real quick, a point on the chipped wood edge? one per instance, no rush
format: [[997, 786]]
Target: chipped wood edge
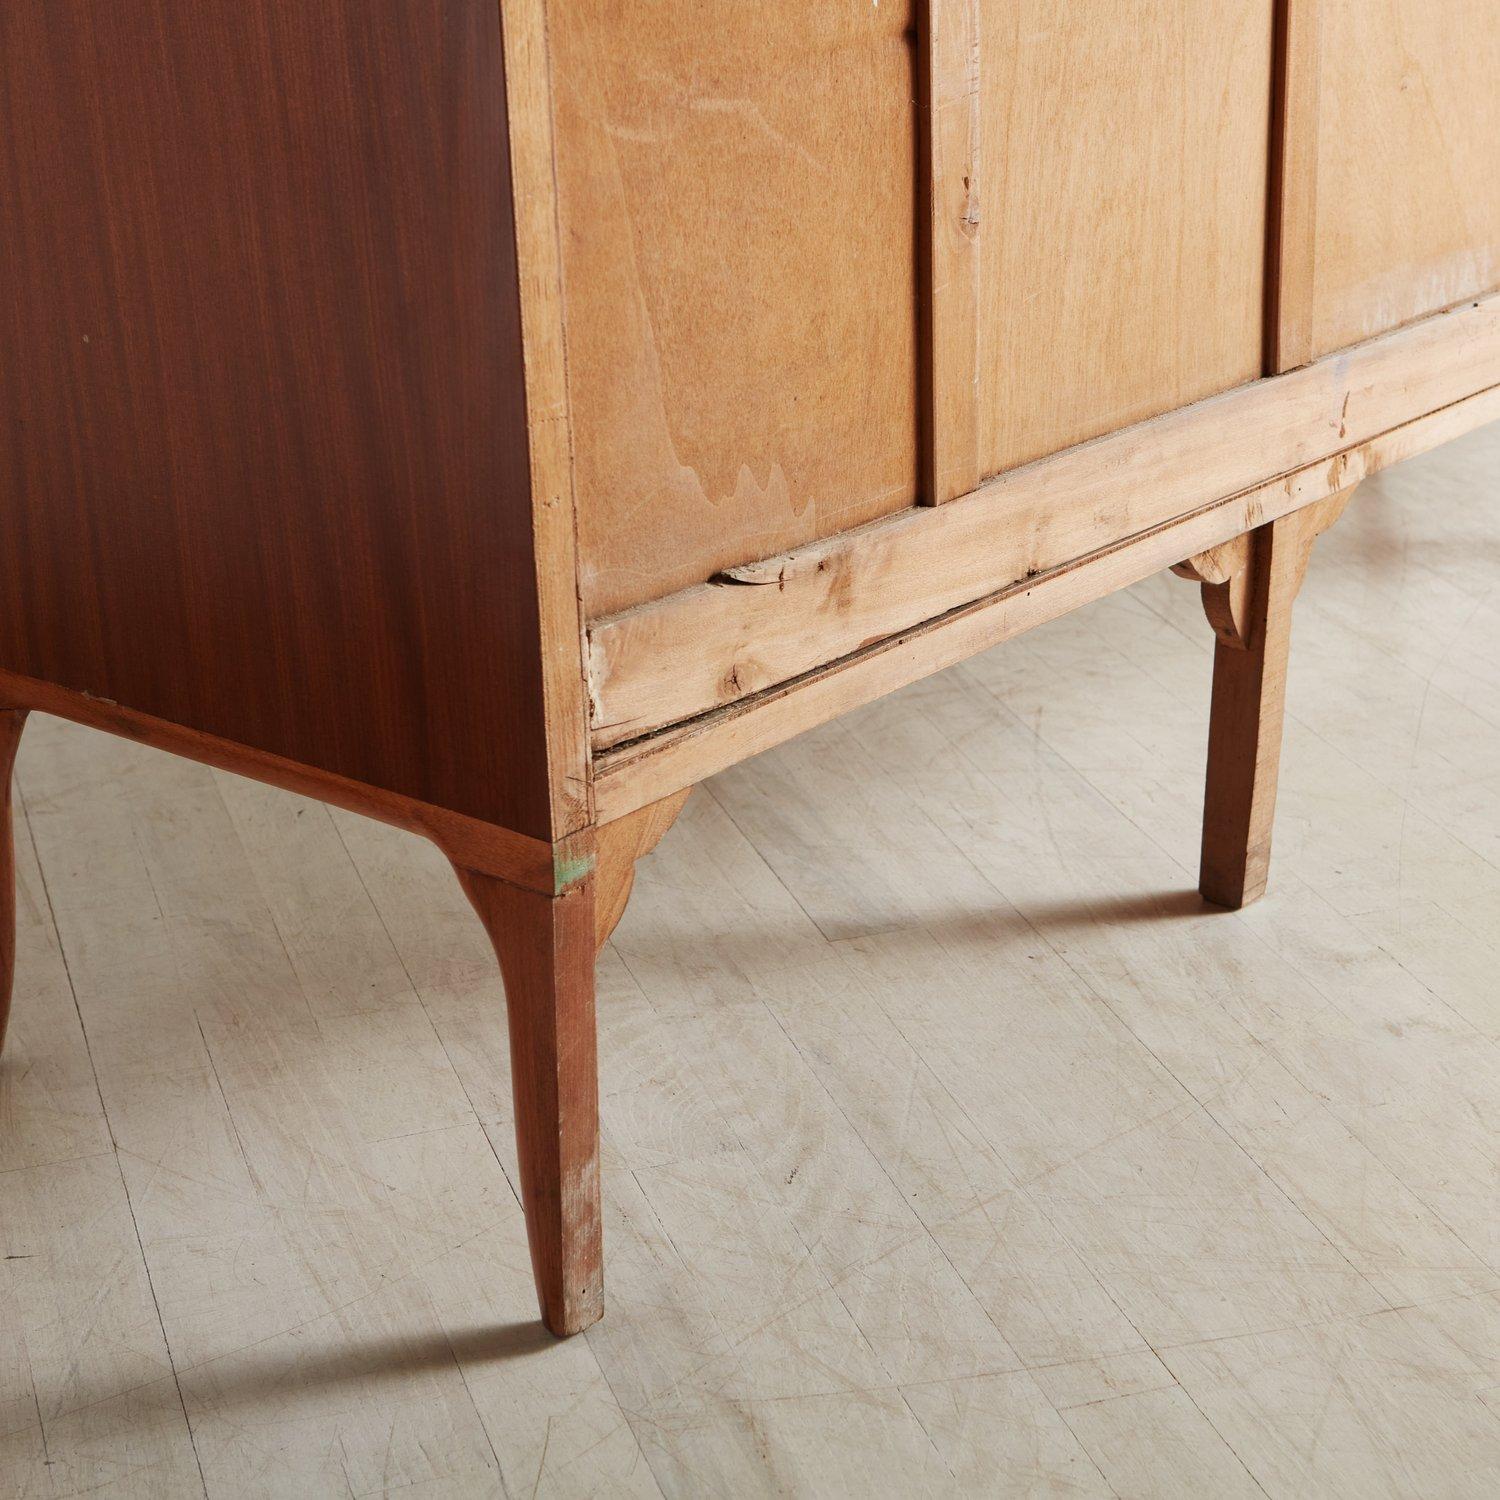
[[638, 774], [765, 623]]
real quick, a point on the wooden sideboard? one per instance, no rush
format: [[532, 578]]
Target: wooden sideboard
[[496, 416]]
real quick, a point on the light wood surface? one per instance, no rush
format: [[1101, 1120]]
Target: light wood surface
[[1123, 220], [1226, 575], [1292, 239], [620, 845], [637, 774], [549, 436], [765, 624], [951, 1146], [950, 105], [1408, 154], [738, 201]]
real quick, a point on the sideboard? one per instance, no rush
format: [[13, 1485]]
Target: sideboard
[[497, 416]]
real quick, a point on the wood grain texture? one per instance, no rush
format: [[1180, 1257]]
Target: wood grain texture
[[1123, 240], [1000, 1125], [620, 845], [928, 1167], [768, 622], [635, 774], [545, 945], [264, 467], [1227, 578], [496, 850], [1292, 224], [12, 722], [738, 190], [1249, 703], [1408, 219], [528, 94], [951, 103]]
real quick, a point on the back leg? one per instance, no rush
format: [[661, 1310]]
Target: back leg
[[12, 722]]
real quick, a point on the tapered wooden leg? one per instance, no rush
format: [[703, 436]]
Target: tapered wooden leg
[[12, 722], [1249, 587], [545, 945]]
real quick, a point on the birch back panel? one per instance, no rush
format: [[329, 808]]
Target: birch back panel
[[1408, 215], [1123, 213], [738, 198]]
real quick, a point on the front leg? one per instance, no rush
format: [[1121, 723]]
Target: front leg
[[1249, 587], [546, 946]]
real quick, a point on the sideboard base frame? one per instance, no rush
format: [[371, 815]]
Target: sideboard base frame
[[548, 909], [641, 771]]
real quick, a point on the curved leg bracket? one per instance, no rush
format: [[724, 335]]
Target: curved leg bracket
[[620, 845], [1249, 586]]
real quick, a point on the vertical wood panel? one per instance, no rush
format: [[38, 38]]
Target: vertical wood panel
[[950, 103], [1124, 214], [263, 449], [738, 191], [548, 428], [1291, 253], [1408, 209]]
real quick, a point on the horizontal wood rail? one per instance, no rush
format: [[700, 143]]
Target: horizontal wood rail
[[484, 848], [644, 771], [768, 623]]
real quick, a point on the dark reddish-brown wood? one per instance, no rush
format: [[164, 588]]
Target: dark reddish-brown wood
[[545, 945], [263, 451], [524, 861], [12, 722]]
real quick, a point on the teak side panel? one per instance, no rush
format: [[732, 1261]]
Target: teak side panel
[[264, 466], [737, 188], [1408, 199], [1122, 220]]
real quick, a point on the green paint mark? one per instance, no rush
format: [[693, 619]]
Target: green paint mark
[[569, 869]]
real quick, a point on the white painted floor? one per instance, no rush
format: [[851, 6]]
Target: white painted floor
[[953, 1147]]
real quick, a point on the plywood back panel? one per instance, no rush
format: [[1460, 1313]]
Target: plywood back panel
[[1122, 213], [1408, 199], [737, 186]]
